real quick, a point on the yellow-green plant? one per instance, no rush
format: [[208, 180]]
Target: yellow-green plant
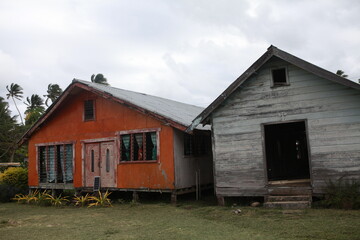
[[102, 200], [57, 201], [15, 176], [20, 198], [81, 201], [42, 198], [1, 177], [32, 197]]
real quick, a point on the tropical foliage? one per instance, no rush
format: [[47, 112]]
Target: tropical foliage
[[35, 108], [341, 73], [10, 131], [15, 176], [99, 78], [15, 91], [44, 198], [81, 201], [101, 200], [53, 92]]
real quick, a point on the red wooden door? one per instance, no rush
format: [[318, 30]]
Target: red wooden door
[[108, 166], [92, 163]]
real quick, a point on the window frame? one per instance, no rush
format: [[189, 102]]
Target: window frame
[[279, 84], [54, 144], [197, 145], [132, 136], [94, 110]]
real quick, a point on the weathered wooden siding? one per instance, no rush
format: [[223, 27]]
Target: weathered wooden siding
[[332, 112], [187, 166]]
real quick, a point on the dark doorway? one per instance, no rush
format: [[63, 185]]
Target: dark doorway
[[286, 151]]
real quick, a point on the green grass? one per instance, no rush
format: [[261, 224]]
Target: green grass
[[190, 220]]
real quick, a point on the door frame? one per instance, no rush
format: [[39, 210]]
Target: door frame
[[83, 155], [262, 125]]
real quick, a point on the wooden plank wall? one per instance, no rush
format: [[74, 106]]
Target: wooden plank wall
[[332, 112], [187, 166]]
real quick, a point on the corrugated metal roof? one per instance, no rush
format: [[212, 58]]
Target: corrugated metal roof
[[181, 113]]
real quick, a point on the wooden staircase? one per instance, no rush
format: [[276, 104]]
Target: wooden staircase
[[289, 195]]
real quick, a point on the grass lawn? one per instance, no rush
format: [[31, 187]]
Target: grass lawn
[[188, 220]]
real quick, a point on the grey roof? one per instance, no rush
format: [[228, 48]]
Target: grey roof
[[181, 113], [272, 51], [173, 113]]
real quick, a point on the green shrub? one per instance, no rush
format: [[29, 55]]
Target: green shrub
[[343, 193], [15, 176], [7, 192]]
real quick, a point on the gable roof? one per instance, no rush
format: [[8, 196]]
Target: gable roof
[[271, 52], [176, 114]]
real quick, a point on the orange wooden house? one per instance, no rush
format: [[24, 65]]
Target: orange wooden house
[[129, 141]]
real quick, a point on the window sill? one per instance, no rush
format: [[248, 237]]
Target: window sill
[[134, 162], [280, 85]]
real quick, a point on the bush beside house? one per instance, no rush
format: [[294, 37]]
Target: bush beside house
[[13, 181]]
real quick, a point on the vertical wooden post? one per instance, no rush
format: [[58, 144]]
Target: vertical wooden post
[[221, 200], [173, 198], [135, 196]]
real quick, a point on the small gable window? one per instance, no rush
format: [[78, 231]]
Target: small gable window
[[89, 113], [279, 77]]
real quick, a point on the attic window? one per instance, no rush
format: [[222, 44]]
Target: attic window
[[89, 113], [279, 77]]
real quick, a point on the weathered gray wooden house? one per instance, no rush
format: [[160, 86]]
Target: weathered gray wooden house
[[285, 126]]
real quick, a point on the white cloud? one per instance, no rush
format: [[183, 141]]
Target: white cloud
[[187, 50]]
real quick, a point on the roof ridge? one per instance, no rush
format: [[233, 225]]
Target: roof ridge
[[135, 92]]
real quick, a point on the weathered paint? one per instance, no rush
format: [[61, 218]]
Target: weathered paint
[[332, 114], [66, 124]]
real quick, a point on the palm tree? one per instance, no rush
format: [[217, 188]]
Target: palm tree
[[341, 73], [15, 91], [34, 109], [99, 78], [53, 92]]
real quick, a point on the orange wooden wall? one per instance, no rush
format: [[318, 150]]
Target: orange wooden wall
[[67, 124]]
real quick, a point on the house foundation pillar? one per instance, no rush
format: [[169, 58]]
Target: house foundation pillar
[[221, 200], [135, 196], [173, 198]]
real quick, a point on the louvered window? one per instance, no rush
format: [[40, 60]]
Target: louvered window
[[55, 163], [89, 113], [142, 146]]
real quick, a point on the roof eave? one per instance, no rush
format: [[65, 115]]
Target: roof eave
[[75, 83]]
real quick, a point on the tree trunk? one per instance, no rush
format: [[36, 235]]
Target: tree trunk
[[22, 121]]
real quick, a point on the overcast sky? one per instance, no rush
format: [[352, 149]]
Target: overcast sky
[[188, 51]]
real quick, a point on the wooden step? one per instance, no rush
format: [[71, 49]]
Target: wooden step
[[288, 204], [285, 198], [289, 191]]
